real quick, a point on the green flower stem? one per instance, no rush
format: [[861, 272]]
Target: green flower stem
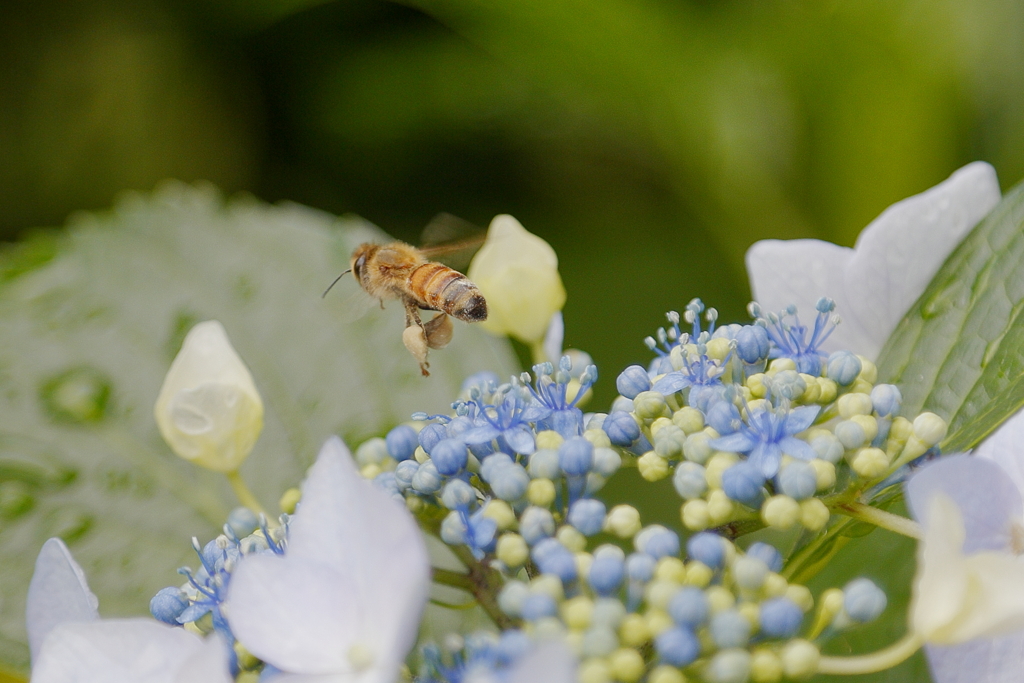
[[880, 518], [484, 583], [245, 496], [814, 556], [874, 662]]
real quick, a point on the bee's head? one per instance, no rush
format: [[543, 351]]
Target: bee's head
[[359, 258]]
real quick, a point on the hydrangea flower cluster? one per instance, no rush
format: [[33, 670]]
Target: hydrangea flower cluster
[[510, 481], [760, 427], [756, 422]]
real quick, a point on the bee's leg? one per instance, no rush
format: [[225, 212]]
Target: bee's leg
[[415, 337], [439, 331]]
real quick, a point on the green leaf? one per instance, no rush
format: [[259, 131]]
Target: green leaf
[[89, 322], [959, 351]]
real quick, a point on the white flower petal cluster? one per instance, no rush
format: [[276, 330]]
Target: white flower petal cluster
[[208, 410], [895, 257], [344, 602], [71, 644]]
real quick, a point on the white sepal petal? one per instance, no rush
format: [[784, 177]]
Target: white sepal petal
[[958, 598], [895, 257], [128, 651], [551, 662], [58, 593], [356, 571]]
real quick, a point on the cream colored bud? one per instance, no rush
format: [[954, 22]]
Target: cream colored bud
[[780, 512], [695, 514], [549, 438], [517, 273], [627, 665], [653, 467], [765, 666], [814, 514], [502, 513], [801, 595], [800, 659], [718, 348], [571, 538], [930, 428], [828, 388], [825, 474], [512, 550], [698, 574], [870, 462], [854, 404], [666, 674], [208, 410], [623, 521], [868, 370], [541, 492], [690, 420]]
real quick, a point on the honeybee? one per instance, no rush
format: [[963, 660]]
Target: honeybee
[[400, 271]]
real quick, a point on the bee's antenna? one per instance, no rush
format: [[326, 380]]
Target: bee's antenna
[[324, 295]]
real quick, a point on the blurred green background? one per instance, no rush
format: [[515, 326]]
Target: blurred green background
[[650, 141]]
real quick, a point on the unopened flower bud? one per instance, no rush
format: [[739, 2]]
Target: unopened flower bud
[[623, 521], [930, 428], [517, 272], [208, 410], [800, 659]]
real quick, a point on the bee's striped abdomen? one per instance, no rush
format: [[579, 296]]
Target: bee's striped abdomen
[[440, 288]]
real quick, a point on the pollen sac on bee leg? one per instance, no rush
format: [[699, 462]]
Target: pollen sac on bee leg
[[438, 331], [416, 341]]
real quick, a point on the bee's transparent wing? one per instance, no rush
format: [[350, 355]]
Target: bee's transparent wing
[[451, 240], [349, 300]]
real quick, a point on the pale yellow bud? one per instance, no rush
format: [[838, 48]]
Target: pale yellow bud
[[813, 514], [512, 550], [633, 630], [670, 569], [801, 595], [653, 467], [595, 671], [623, 521], [571, 538], [597, 437], [690, 420], [765, 666], [517, 273], [755, 383], [577, 612], [502, 513], [800, 659], [666, 674], [828, 389], [930, 428], [208, 410], [627, 665], [718, 348], [854, 404], [825, 474], [698, 574], [780, 512], [870, 462], [541, 492], [549, 439], [695, 514], [868, 370]]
